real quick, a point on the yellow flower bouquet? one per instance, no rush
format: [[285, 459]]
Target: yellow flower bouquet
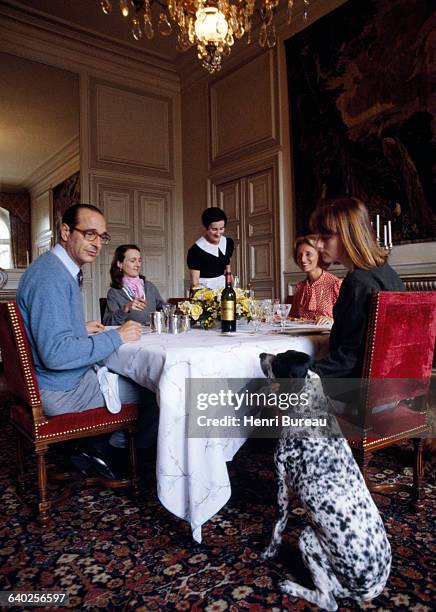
[[204, 306]]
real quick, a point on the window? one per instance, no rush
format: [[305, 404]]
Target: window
[[5, 240]]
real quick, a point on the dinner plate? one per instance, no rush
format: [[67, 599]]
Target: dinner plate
[[306, 324], [240, 332], [302, 330]]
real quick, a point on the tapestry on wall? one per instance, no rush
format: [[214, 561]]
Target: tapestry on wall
[[65, 195], [363, 112]]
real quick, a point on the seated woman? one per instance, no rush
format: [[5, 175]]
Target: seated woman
[[209, 257], [130, 297], [345, 235], [315, 296]]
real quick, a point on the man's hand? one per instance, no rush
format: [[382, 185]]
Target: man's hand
[[130, 331], [94, 327]]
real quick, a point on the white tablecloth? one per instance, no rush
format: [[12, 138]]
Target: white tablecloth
[[192, 478]]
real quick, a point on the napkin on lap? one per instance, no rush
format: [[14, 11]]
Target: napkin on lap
[[108, 382]]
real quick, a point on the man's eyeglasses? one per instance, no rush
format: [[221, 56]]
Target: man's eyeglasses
[[92, 235]]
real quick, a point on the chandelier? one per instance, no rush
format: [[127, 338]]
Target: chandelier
[[211, 25]]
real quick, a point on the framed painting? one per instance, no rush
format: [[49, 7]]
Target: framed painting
[[64, 195], [363, 113]]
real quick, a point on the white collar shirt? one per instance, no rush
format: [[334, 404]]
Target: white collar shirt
[[212, 249], [70, 265]]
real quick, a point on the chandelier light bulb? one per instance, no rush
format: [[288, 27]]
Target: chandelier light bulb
[[210, 26], [124, 7]]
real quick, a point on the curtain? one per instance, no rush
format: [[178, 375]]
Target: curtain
[[18, 205]]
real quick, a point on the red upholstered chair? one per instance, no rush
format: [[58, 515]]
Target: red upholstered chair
[[40, 431], [397, 372]]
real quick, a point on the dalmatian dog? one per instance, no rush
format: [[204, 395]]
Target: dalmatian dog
[[345, 546]]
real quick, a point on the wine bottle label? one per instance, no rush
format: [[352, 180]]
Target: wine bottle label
[[228, 311]]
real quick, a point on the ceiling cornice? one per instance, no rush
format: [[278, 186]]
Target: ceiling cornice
[[77, 46]]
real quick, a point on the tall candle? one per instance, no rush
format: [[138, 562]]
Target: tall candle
[[378, 226], [385, 232], [390, 233], [27, 258]]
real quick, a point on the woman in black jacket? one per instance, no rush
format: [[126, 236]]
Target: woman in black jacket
[[345, 235], [210, 256]]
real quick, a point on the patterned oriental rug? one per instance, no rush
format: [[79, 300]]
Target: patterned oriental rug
[[110, 552]]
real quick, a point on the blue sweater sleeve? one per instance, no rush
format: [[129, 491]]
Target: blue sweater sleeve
[[53, 313]]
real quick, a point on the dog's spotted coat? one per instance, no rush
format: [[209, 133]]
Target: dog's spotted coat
[[345, 547]]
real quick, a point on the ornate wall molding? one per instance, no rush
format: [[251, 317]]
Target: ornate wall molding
[[44, 241], [251, 125], [143, 145]]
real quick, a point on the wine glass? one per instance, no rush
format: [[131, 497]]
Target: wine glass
[[276, 306], [268, 310], [282, 313], [255, 309]]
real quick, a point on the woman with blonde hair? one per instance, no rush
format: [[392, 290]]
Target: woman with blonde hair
[[315, 296], [345, 235]]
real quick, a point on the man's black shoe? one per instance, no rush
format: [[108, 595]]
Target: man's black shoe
[[90, 465], [83, 463], [102, 467]]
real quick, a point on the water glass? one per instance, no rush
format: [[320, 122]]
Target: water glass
[[157, 322], [186, 323], [175, 324]]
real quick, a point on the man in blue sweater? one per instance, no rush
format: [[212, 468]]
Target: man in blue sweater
[[50, 300]]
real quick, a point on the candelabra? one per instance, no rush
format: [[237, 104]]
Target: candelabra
[[387, 243]]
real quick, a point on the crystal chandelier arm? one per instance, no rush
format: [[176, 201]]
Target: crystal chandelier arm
[[212, 25]]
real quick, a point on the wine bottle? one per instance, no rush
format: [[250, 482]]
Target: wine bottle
[[228, 305]]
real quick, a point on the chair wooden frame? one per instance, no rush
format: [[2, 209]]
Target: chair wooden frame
[[102, 304], [30, 423], [175, 301], [410, 394]]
